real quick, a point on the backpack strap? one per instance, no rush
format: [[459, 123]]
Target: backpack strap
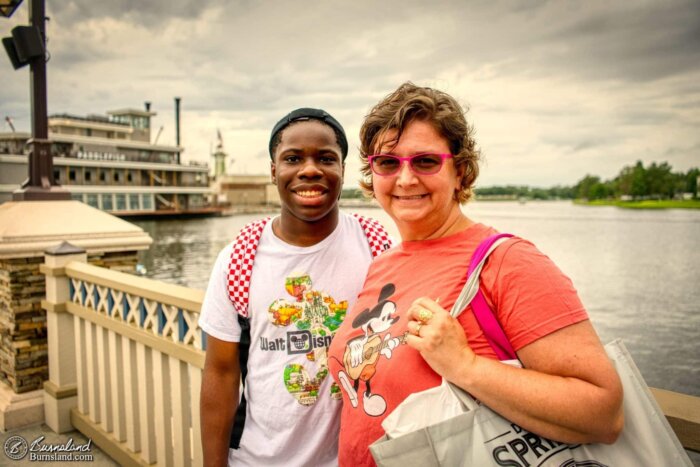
[[241, 264], [240, 271], [483, 313], [242, 410], [377, 237]]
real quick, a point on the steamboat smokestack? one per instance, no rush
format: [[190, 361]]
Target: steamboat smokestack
[[148, 106], [177, 126]]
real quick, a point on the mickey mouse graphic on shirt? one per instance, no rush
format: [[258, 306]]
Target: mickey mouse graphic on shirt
[[362, 353]]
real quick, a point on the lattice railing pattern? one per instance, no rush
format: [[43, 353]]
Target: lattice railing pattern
[[141, 393], [164, 320]]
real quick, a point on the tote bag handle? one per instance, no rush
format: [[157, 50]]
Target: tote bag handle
[[471, 294]]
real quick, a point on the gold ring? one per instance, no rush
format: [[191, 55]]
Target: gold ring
[[420, 325], [425, 315]]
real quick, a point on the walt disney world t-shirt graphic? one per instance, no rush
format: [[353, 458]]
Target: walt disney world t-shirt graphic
[[313, 317]]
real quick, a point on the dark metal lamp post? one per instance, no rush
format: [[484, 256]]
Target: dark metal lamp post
[[27, 47]]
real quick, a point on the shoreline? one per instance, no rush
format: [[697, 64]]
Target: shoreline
[[643, 204]]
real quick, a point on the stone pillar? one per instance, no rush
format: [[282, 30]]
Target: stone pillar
[[60, 391], [27, 230], [23, 347], [23, 356]]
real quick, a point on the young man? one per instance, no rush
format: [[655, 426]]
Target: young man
[[274, 301]]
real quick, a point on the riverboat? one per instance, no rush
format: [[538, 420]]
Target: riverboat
[[110, 163]]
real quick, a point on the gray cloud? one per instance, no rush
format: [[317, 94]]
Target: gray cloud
[[151, 13], [683, 150], [631, 41]]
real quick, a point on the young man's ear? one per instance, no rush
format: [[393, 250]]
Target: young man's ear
[[273, 174]]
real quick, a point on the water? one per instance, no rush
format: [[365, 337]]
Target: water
[[637, 271]]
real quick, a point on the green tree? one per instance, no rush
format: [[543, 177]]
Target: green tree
[[352, 193], [691, 182], [561, 191], [660, 182], [583, 189], [598, 191], [639, 188]]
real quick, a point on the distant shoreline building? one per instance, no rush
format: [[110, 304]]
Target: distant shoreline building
[[241, 191], [109, 162], [246, 190]]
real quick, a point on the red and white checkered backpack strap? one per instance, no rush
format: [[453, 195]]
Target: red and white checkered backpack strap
[[241, 264], [377, 237]]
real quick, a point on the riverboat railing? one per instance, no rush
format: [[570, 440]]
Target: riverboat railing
[[125, 364]]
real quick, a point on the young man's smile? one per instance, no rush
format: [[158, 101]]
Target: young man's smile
[[310, 192]]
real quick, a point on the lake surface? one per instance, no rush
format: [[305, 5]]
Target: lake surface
[[637, 271]]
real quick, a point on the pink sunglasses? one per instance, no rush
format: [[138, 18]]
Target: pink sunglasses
[[420, 164]]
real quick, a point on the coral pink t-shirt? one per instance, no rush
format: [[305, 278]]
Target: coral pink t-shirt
[[530, 297]]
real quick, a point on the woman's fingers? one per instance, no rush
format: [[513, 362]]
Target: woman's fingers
[[414, 328], [424, 309], [438, 337], [427, 319]]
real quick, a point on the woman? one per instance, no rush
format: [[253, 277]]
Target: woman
[[420, 163]]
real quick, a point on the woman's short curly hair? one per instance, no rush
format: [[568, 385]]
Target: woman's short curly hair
[[410, 103]]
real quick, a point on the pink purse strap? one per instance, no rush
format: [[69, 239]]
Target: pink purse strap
[[483, 313]]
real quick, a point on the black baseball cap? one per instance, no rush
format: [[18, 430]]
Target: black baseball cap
[[309, 114]]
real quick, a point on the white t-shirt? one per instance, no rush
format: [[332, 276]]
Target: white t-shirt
[[298, 298]]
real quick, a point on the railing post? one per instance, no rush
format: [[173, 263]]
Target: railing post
[[60, 391]]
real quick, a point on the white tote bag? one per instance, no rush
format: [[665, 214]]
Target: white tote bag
[[445, 426]]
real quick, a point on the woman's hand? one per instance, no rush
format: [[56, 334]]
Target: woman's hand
[[568, 392], [439, 338]]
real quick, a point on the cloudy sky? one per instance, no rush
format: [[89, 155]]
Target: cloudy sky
[[555, 90]]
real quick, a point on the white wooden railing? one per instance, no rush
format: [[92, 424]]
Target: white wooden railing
[[125, 361]]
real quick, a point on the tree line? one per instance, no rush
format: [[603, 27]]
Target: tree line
[[524, 191], [656, 181], [634, 182]]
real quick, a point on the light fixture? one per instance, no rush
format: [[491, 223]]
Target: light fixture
[[24, 45]]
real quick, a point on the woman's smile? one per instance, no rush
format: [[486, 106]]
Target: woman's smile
[[410, 197]]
